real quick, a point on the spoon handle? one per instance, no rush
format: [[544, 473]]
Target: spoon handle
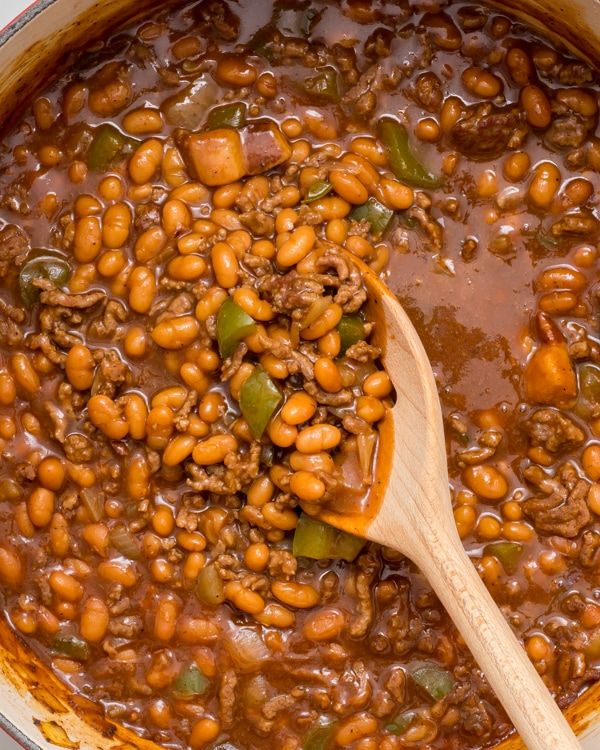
[[496, 649]]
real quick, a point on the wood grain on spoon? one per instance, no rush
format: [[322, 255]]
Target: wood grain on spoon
[[409, 509]]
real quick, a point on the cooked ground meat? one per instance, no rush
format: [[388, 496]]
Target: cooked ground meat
[[14, 246], [552, 429], [563, 512], [484, 131]]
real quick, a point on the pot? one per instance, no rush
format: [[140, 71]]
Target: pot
[[36, 709]]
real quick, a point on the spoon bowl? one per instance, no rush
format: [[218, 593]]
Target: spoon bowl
[[409, 509]]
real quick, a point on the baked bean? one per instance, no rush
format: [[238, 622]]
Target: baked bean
[[51, 473], [324, 625], [593, 498], [203, 732], [300, 243], [149, 244], [87, 240], [428, 130], [145, 161], [178, 449], [94, 620], [187, 268], [370, 409], [115, 225], [285, 519], [352, 729], [300, 407], [65, 586], [537, 106], [40, 506], [165, 618], [516, 166], [481, 82], [517, 531], [256, 557], [106, 416], [143, 121], [311, 462], [485, 481], [331, 208], [294, 594], [8, 389], [80, 367], [159, 426], [280, 433], [214, 449], [488, 528], [225, 265], [111, 263], [560, 277], [395, 195], [96, 535], [176, 217], [324, 323], [307, 486], [60, 538], [451, 113], [12, 570], [125, 574], [135, 411], [557, 303], [544, 185], [519, 65], [195, 630], [244, 599], [251, 303], [236, 71], [370, 149], [348, 187], [317, 438], [378, 384], [538, 648], [175, 333], [465, 517]]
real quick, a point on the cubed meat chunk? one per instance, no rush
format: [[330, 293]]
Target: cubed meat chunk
[[549, 376]]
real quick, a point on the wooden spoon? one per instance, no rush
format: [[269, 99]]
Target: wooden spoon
[[410, 511]]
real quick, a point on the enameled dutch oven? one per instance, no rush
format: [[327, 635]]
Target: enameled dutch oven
[[36, 709]]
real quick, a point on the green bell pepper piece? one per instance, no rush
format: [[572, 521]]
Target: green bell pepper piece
[[72, 647], [190, 683], [259, 400], [320, 541], [318, 189], [49, 267], [401, 722], [404, 163], [227, 116], [351, 329], [508, 553], [378, 216], [108, 146], [319, 737], [209, 587], [324, 85], [233, 324], [436, 682]]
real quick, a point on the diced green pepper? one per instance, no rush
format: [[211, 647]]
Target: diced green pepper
[[190, 683], [351, 329], [401, 722], [403, 162], [378, 216], [72, 647], [49, 267], [436, 682], [320, 541], [209, 588], [227, 116], [259, 399], [233, 324], [318, 189], [108, 146], [588, 397], [508, 553], [319, 737], [324, 85]]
